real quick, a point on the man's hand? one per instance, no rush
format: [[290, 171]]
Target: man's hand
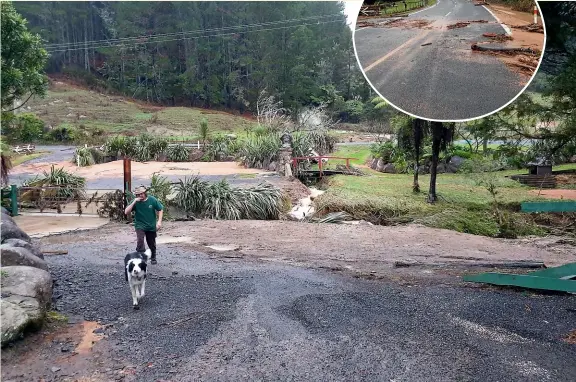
[[158, 226]]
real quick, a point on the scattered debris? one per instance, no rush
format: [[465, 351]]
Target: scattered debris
[[55, 252], [535, 28], [460, 24], [334, 217], [406, 24], [428, 43], [571, 337], [498, 37], [502, 49], [480, 2], [463, 24], [365, 24]]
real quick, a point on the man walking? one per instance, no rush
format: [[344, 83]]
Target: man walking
[[146, 222]]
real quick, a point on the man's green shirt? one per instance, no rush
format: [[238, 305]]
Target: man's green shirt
[[145, 213]]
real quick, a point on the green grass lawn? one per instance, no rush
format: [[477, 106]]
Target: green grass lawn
[[18, 159], [462, 206], [411, 5], [90, 111], [360, 154]]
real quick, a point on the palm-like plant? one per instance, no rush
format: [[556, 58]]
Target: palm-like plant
[[178, 153]]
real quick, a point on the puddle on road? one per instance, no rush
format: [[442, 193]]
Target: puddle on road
[[165, 239], [223, 247]]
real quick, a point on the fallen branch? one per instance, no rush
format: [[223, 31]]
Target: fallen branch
[[501, 49], [55, 252], [535, 28], [497, 37]]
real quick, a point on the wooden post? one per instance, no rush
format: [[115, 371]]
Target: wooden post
[[320, 166], [127, 182], [14, 199]]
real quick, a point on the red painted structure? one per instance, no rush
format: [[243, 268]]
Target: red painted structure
[[319, 158]]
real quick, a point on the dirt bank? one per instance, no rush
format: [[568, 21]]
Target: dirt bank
[[360, 249]]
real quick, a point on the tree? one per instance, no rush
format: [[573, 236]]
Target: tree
[[419, 132], [23, 60], [442, 135]]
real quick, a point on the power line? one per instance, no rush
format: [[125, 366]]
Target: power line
[[84, 44], [186, 38]]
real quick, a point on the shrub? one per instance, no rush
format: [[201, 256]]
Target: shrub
[[260, 150], [220, 201], [385, 151], [221, 148], [161, 188], [322, 141], [83, 157], [204, 131], [27, 128], [59, 187], [87, 156], [63, 134], [178, 153]]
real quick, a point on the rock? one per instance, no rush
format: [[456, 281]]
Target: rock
[[373, 163], [456, 161], [389, 168], [5, 212], [24, 244], [272, 166], [28, 293], [55, 369], [573, 159], [380, 165], [10, 256], [452, 169], [441, 169], [11, 231]]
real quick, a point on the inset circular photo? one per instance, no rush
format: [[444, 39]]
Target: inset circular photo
[[449, 60]]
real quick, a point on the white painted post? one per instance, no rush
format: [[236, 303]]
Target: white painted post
[[198, 145], [535, 14]]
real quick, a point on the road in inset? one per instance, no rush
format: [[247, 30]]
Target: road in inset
[[424, 65]]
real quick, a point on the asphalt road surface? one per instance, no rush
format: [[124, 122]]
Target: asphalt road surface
[[444, 80], [207, 318]]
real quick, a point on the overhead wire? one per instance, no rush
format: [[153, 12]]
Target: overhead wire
[[93, 44]]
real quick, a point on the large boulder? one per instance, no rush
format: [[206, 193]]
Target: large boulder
[[456, 161], [10, 256], [24, 244], [389, 168], [11, 231], [380, 165], [373, 163], [26, 296]]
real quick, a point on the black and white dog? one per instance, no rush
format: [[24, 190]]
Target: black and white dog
[[135, 265]]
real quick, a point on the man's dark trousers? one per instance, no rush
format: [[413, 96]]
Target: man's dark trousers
[[150, 237]]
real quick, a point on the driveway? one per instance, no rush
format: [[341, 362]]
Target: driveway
[[218, 317]]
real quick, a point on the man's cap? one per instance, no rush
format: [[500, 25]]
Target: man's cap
[[139, 190]]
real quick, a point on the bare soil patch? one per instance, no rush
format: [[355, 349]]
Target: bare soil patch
[[556, 194], [65, 352], [142, 169], [359, 250]]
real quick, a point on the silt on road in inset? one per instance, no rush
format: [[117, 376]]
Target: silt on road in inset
[[448, 60]]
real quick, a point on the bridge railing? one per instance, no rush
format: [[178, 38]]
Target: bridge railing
[[319, 158]]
